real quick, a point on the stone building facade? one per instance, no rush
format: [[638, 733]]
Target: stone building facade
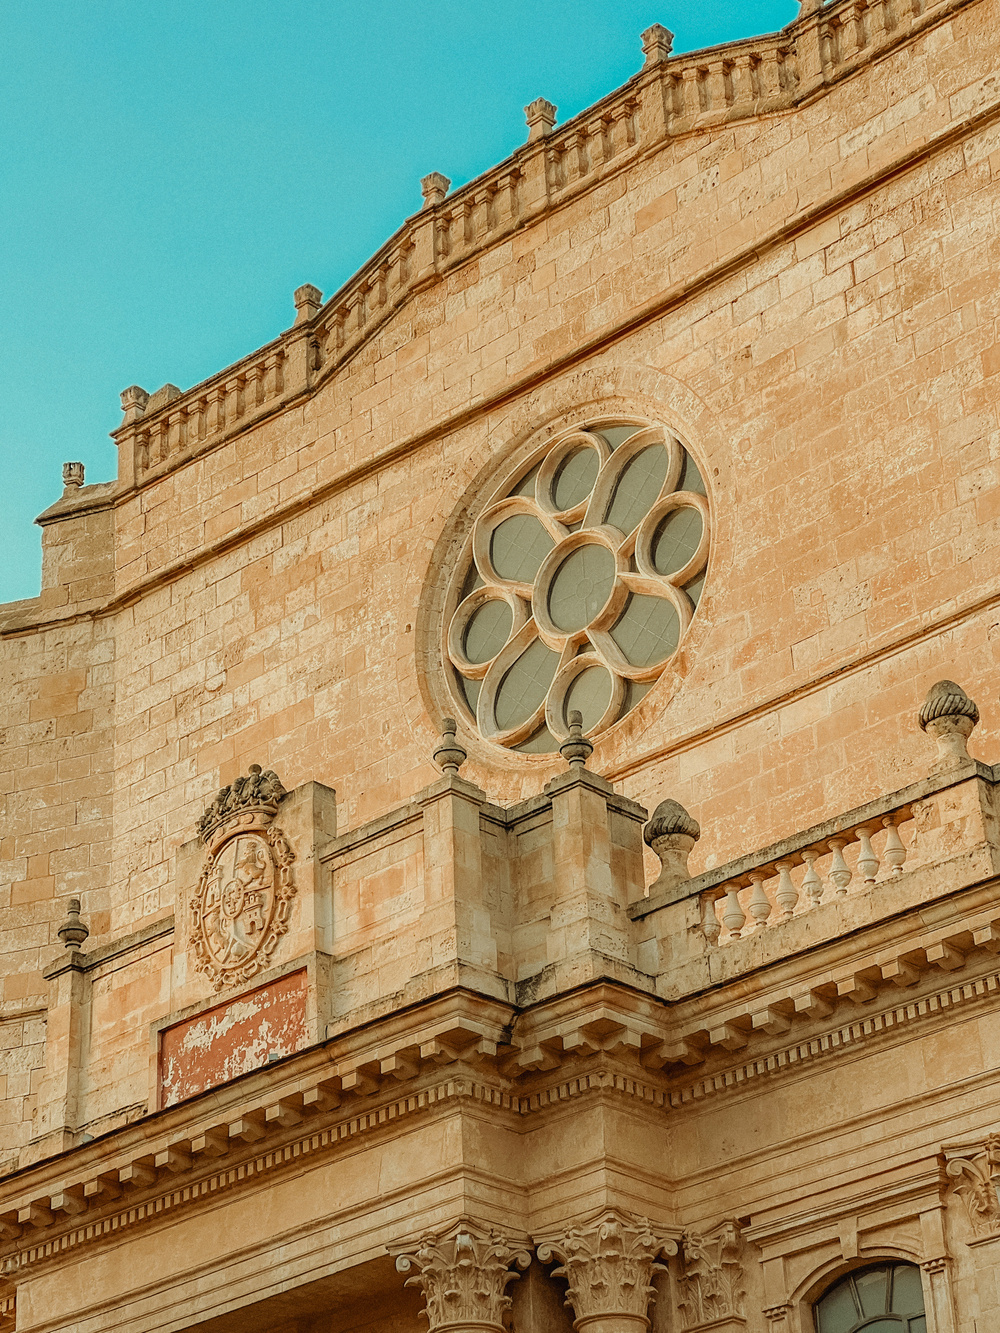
[[490, 832]]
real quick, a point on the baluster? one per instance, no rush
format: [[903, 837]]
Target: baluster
[[732, 916], [710, 924], [786, 895], [840, 873], [234, 398], [811, 882], [162, 450], [895, 852], [867, 860], [715, 86], [759, 904], [176, 423], [690, 98], [742, 82], [769, 73]]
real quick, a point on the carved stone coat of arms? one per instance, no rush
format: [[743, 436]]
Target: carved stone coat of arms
[[240, 908]]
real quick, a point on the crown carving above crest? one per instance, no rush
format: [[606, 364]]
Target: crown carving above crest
[[248, 802]]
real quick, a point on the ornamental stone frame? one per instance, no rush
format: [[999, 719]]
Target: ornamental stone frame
[[581, 575], [240, 908]]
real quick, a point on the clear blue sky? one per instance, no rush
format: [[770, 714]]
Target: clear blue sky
[[171, 171]]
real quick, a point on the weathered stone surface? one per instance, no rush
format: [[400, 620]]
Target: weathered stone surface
[[763, 1063]]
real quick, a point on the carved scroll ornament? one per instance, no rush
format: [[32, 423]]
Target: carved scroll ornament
[[241, 905]]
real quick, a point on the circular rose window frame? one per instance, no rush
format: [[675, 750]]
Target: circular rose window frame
[[581, 523]]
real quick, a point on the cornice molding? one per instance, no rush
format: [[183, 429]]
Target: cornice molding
[[311, 1121]]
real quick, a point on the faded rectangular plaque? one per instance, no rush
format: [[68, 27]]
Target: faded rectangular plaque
[[232, 1038]]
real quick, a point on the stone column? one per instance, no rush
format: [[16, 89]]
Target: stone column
[[464, 1279], [609, 1264]]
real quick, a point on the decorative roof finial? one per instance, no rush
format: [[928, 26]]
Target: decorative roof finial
[[308, 300], [657, 43], [134, 400], [949, 715], [671, 833], [73, 932], [576, 749], [541, 116], [434, 188], [72, 475], [450, 754]]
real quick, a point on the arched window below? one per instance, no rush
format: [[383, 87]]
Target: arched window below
[[885, 1298]]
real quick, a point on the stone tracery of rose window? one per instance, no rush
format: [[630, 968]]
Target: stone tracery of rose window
[[577, 584]]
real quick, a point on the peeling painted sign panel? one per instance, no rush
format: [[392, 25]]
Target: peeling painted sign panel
[[232, 1038]]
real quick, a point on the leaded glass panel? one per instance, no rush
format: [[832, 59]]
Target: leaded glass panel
[[546, 589]]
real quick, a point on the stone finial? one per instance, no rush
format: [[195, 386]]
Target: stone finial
[[450, 754], [73, 475], [541, 116], [576, 749], [949, 715], [657, 43], [134, 402], [464, 1278], [73, 932], [434, 188], [308, 300], [672, 834], [609, 1264]]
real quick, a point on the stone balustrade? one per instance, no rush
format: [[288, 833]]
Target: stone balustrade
[[670, 96], [771, 893]]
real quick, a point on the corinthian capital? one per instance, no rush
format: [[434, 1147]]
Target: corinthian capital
[[609, 1264], [464, 1279]]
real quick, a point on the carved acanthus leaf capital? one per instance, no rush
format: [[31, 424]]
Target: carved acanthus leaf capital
[[977, 1178], [710, 1281], [609, 1264], [463, 1277]]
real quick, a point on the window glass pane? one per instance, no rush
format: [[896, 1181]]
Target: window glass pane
[[616, 435], [524, 686], [472, 582], [837, 1312], [873, 1290], [590, 692], [518, 546], [918, 1325], [575, 477], [488, 630], [471, 688], [695, 588], [638, 488], [676, 540], [691, 479], [526, 486], [907, 1292], [634, 691], [647, 630], [543, 742], [883, 1325], [581, 586]]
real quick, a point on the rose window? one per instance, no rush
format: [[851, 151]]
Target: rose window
[[577, 584]]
